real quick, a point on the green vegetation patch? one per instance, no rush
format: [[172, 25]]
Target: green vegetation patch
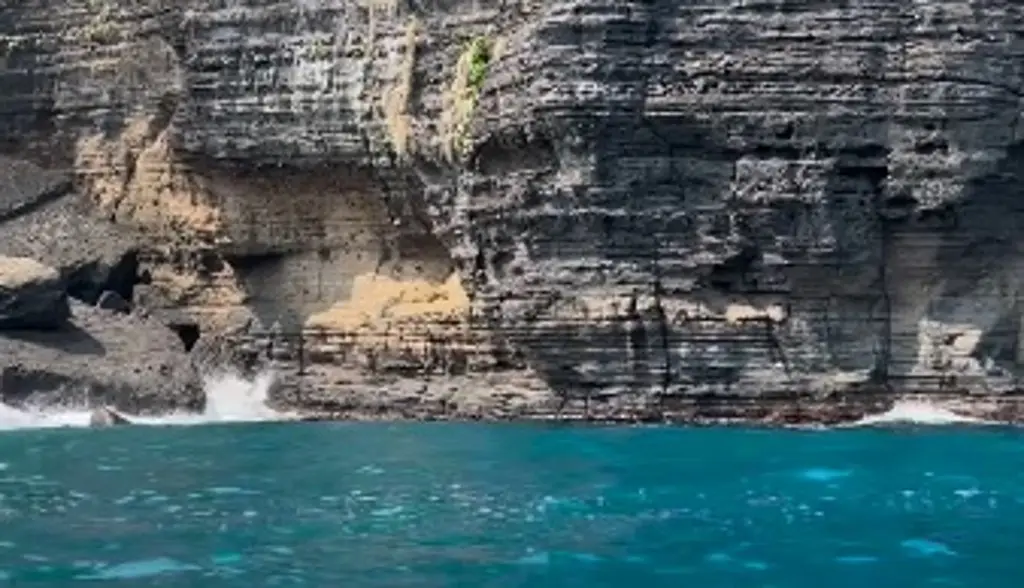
[[474, 64], [480, 52]]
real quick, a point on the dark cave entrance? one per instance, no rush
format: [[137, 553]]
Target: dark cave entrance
[[188, 333]]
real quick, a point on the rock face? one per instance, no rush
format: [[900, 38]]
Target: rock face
[[42, 219], [782, 210], [99, 358], [32, 295]]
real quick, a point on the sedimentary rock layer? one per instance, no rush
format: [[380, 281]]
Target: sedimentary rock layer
[[627, 207]]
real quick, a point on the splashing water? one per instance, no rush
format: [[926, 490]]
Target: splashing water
[[229, 398], [918, 412]]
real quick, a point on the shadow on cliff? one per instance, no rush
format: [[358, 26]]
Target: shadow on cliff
[[951, 275], [70, 339], [982, 263], [301, 237]]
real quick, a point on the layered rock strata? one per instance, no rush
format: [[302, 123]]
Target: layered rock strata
[[786, 210]]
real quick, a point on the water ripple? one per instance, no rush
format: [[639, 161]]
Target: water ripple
[[506, 506]]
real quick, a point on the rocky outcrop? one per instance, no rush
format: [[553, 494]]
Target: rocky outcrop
[[638, 209], [106, 417], [32, 295], [42, 218], [50, 355], [99, 358]]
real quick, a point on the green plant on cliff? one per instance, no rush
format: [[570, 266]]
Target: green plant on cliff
[[480, 53], [471, 73]]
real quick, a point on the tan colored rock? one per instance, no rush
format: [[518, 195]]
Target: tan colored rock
[[135, 178], [377, 301]]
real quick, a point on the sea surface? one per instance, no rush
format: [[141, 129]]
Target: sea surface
[[368, 504]]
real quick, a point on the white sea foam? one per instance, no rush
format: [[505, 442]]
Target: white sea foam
[[918, 412], [229, 398]]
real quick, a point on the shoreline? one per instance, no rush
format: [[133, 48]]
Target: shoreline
[[792, 411], [961, 410], [960, 420]]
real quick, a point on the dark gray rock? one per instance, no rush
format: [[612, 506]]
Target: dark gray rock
[[214, 353], [31, 295], [41, 217], [133, 364], [93, 255], [113, 301], [25, 186], [107, 417]]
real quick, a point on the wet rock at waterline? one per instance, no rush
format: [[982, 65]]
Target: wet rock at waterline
[[32, 295], [107, 417]]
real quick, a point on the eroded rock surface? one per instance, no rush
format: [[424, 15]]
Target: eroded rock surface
[[786, 210], [41, 218], [32, 295], [100, 358]]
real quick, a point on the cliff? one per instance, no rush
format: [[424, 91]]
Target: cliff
[[775, 209]]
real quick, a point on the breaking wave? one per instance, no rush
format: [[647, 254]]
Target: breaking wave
[[917, 412], [229, 398], [232, 398]]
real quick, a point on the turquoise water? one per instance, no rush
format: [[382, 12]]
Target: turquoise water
[[361, 505]]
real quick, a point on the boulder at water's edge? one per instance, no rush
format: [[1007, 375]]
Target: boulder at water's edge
[[32, 295], [107, 417]]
